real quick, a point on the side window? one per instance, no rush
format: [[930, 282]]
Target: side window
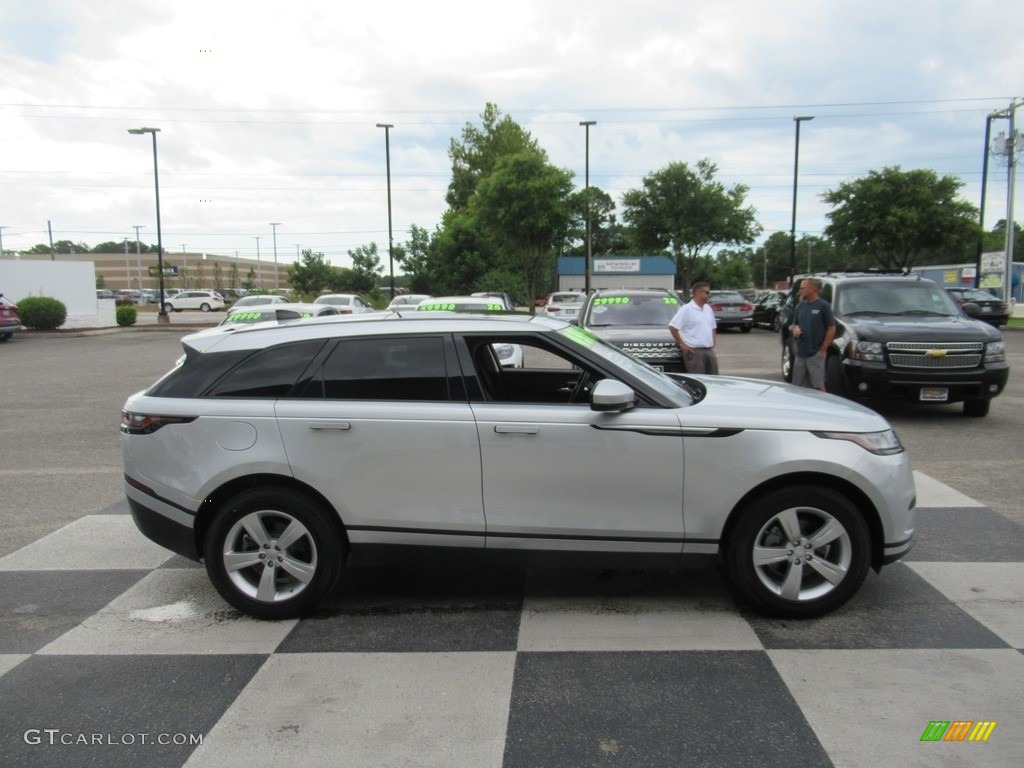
[[826, 292], [386, 368], [269, 373]]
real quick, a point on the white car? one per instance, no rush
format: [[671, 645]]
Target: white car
[[260, 298], [275, 313], [347, 303], [564, 305], [270, 454], [205, 301], [407, 301]]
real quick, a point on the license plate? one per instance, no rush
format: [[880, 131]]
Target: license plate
[[934, 394], [570, 311]]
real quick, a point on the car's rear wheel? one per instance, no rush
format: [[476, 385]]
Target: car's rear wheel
[[834, 381], [274, 553], [205, 307], [168, 307], [798, 552], [746, 328]]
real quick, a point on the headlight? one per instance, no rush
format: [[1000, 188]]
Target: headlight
[[995, 352], [867, 350], [882, 443]]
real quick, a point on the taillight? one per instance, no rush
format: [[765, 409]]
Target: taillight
[[147, 424], [747, 307], [551, 309], [716, 307]]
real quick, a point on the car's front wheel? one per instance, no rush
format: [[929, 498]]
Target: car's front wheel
[[274, 553], [798, 552], [205, 307], [168, 307], [976, 408], [787, 360]]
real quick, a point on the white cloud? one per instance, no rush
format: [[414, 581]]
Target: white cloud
[[267, 110]]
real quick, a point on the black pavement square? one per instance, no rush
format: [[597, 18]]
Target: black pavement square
[[695, 708], [966, 535], [115, 711], [37, 607]]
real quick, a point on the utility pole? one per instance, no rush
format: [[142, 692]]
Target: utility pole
[[1009, 145]]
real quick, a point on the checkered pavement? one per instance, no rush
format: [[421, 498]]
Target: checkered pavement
[[114, 652]]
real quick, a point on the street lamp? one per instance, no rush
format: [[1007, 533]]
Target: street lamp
[[387, 154], [586, 271], [161, 316], [138, 254], [792, 229], [275, 225], [259, 265]]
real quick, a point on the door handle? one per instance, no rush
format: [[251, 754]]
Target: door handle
[[513, 429], [338, 426]]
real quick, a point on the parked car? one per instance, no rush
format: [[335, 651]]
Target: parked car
[[509, 355], [205, 301], [103, 293], [981, 305], [260, 298], [565, 305], [10, 321], [508, 302], [766, 309], [902, 337], [275, 313], [636, 320], [269, 453], [732, 310], [407, 301], [347, 303]]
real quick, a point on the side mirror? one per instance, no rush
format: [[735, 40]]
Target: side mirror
[[612, 395]]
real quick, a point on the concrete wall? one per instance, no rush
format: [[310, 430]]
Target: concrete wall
[[73, 283]]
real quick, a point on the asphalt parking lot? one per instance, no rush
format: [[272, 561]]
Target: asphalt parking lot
[[115, 653]]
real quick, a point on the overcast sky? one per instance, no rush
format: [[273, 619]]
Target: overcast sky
[[268, 110]]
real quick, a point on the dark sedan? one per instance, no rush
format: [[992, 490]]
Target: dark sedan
[[766, 309], [981, 305]]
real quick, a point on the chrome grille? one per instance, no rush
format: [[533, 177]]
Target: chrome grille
[[906, 354], [652, 350]]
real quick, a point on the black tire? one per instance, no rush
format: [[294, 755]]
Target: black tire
[[976, 408], [787, 361], [261, 573], [745, 328], [776, 323], [834, 382], [782, 545], [168, 307], [6, 336], [205, 307]]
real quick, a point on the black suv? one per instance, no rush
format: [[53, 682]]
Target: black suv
[[902, 337], [636, 321]]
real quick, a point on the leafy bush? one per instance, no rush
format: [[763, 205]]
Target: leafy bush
[[127, 315], [43, 313]]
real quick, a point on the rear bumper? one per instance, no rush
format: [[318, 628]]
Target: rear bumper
[[169, 526]]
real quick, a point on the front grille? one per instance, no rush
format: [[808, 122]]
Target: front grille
[[940, 355], [653, 350]]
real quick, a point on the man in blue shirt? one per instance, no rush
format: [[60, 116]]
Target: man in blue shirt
[[813, 329]]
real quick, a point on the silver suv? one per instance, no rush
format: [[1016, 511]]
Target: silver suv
[[281, 454]]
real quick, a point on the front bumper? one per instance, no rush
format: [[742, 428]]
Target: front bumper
[[876, 380]]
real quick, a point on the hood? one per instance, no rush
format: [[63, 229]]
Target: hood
[[923, 328], [740, 403], [622, 333]]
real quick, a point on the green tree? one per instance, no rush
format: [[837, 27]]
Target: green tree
[[416, 259], [475, 157], [366, 268], [310, 275], [525, 204], [603, 226], [685, 211], [896, 216]]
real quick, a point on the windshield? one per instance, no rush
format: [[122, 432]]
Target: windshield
[[652, 378], [632, 310], [896, 298]]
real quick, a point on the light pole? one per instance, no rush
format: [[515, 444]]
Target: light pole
[[184, 265], [2, 242], [586, 196], [764, 279], [792, 229], [387, 154], [161, 316], [274, 225], [259, 266], [138, 253]]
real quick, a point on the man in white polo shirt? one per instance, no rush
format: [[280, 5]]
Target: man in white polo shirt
[[694, 328]]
